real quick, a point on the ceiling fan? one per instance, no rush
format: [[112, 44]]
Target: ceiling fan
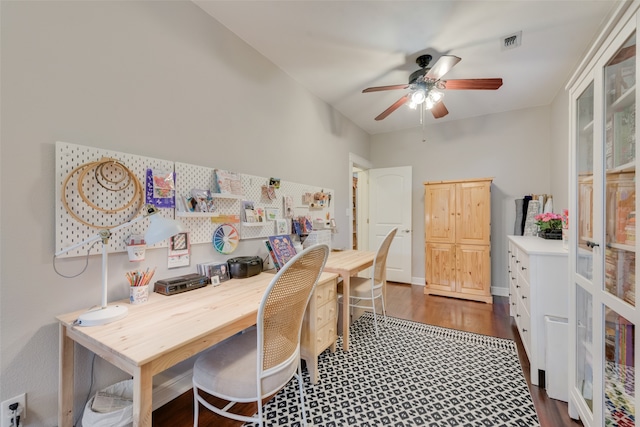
[[425, 86]]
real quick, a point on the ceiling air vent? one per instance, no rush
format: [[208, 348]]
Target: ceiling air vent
[[511, 41]]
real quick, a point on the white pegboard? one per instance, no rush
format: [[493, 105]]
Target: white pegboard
[[69, 230], [252, 187], [202, 225]]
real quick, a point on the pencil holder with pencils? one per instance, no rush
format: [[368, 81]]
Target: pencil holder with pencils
[[139, 294], [139, 286]]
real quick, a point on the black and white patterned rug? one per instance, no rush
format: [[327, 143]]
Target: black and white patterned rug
[[412, 374]]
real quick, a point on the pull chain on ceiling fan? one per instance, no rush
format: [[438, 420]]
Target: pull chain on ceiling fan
[[425, 86]]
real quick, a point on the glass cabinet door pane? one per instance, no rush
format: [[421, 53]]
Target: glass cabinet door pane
[[584, 345], [619, 384], [619, 158], [584, 169]]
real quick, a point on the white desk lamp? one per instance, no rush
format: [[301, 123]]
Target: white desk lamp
[[160, 228]]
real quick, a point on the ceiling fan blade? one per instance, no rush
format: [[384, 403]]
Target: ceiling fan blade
[[478, 84], [439, 110], [442, 66], [379, 88], [393, 107]]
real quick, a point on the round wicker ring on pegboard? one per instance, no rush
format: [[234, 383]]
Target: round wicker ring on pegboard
[[102, 178]]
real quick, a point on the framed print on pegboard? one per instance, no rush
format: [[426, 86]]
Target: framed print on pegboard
[[282, 226], [179, 251]]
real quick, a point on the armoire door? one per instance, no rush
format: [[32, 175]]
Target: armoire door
[[441, 266], [473, 213], [439, 216], [473, 265]]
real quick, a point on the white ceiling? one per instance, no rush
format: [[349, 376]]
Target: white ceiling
[[338, 48]]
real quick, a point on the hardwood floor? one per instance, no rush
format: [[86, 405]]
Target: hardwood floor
[[409, 302]]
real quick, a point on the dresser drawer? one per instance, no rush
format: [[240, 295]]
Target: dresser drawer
[[522, 266], [524, 295], [524, 327], [326, 313], [512, 254], [513, 299], [325, 293], [326, 335]]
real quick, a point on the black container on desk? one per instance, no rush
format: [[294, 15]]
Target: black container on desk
[[244, 266]]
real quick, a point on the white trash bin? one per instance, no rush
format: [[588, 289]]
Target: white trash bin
[[121, 415], [557, 357]]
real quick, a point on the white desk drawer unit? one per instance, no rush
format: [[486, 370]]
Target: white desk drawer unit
[[320, 323], [538, 286]]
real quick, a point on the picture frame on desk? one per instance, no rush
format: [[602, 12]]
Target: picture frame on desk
[[218, 272]]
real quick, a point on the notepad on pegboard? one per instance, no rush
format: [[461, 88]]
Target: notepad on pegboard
[[228, 182]]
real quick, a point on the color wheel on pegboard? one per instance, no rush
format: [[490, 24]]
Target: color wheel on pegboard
[[225, 238]]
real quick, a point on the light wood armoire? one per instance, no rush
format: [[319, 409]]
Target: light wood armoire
[[457, 216]]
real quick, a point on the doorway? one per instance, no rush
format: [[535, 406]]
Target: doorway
[[381, 200], [360, 219], [359, 203]]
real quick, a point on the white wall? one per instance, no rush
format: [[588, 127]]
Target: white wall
[[512, 147], [559, 153], [157, 79]]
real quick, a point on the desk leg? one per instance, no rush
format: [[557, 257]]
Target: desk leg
[[142, 397], [65, 379], [346, 319]]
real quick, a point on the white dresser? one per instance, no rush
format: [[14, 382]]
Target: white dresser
[[538, 287]]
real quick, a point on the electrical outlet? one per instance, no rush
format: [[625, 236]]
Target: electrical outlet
[[6, 413]]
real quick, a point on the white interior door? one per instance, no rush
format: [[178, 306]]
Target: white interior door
[[389, 207]]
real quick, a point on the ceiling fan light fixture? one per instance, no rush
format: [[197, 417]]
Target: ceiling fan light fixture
[[435, 96], [418, 96], [428, 104]]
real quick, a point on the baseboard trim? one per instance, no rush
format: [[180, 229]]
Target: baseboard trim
[[172, 388], [499, 291]]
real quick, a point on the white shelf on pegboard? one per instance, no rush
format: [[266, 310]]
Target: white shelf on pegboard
[[255, 224], [226, 196], [197, 214]]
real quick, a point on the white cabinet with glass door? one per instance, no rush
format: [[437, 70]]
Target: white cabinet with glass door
[[603, 305]]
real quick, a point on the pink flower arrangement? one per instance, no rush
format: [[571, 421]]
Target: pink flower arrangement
[[549, 221]]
